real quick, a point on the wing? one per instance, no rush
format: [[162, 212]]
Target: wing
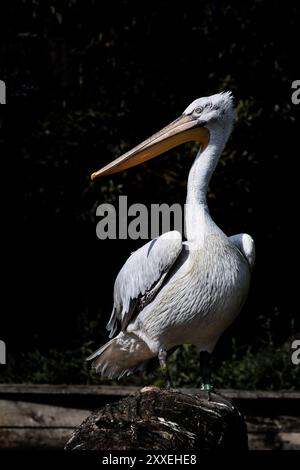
[[142, 276], [246, 245]]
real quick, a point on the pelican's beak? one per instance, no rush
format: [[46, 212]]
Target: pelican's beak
[[184, 129]]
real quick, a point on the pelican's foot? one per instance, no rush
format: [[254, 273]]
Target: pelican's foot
[[207, 388]]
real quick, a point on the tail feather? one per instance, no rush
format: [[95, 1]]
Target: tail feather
[[112, 325], [123, 355], [99, 351]]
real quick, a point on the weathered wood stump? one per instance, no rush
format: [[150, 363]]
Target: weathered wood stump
[[163, 420]]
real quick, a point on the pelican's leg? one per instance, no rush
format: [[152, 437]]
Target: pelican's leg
[[207, 386], [162, 357], [205, 372]]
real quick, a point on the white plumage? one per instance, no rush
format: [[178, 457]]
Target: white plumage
[[168, 292]]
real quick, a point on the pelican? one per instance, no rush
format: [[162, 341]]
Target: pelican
[[172, 292]]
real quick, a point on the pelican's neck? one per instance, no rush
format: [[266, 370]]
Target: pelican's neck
[[198, 220]]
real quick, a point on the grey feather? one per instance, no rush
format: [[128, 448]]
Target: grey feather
[[142, 276], [246, 245]]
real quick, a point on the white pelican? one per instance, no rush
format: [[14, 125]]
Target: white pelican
[[171, 292]]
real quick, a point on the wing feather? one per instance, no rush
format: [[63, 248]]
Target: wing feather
[[144, 270]]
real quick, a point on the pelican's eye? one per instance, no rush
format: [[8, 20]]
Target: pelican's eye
[[198, 110]]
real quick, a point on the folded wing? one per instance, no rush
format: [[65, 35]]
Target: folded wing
[[141, 278]]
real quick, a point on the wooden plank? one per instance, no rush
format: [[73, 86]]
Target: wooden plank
[[273, 433], [26, 414], [34, 438], [33, 425], [290, 440], [261, 424], [121, 391], [260, 394], [45, 389], [95, 396], [263, 441], [274, 441]]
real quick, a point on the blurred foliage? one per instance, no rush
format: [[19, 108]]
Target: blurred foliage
[[269, 368], [86, 82]]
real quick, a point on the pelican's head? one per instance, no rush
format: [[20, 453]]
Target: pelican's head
[[216, 111], [200, 119]]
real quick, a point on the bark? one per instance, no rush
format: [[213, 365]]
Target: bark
[[163, 420]]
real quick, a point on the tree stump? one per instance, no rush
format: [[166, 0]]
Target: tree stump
[[163, 420]]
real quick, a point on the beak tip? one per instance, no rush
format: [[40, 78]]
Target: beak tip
[[93, 176]]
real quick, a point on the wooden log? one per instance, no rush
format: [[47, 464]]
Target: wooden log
[[163, 420]]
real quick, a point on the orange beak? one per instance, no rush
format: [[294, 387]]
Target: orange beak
[[184, 129]]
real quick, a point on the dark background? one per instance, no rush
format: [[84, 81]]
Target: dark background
[[87, 80]]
